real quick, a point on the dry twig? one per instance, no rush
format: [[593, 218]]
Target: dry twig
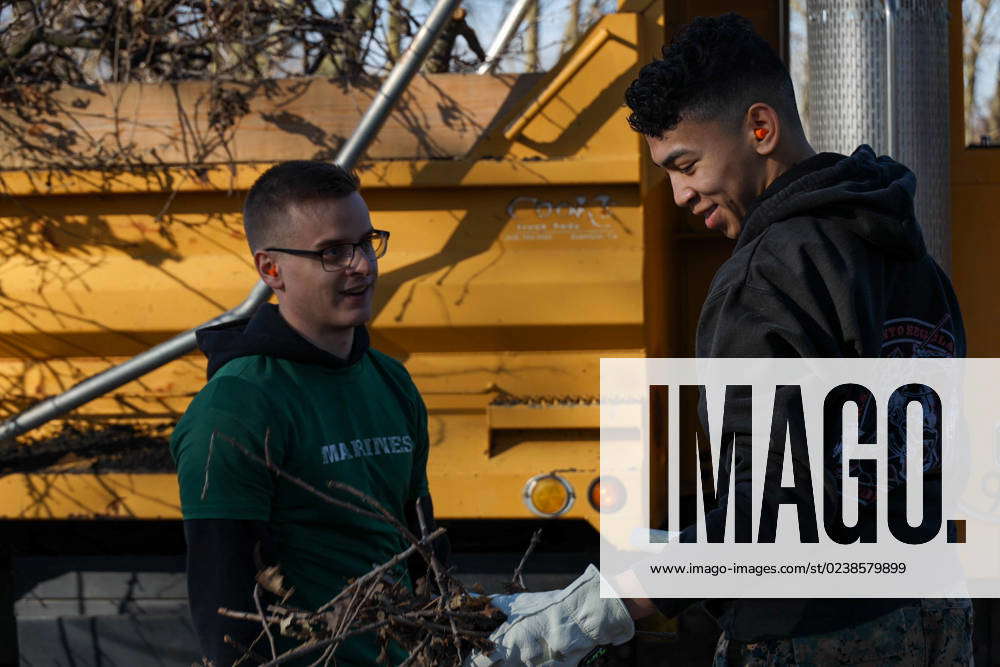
[[433, 629], [516, 584]]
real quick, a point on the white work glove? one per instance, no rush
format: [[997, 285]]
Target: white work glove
[[556, 627]]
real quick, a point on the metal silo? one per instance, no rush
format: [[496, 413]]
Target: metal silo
[[889, 93]]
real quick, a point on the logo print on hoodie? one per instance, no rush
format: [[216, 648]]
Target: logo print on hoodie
[[913, 337], [366, 447]]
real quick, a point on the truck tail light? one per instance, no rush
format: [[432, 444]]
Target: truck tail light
[[548, 495], [606, 494]]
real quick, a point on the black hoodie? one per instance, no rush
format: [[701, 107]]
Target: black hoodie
[[268, 334], [830, 262], [828, 257], [224, 555]]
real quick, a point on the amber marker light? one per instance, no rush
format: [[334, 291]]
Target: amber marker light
[[606, 494], [548, 495]]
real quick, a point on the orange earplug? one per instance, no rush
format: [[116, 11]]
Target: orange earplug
[[273, 272], [760, 133]]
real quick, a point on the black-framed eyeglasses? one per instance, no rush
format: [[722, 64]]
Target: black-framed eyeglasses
[[341, 255]]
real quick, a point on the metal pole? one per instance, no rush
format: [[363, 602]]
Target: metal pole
[[500, 43], [114, 377], [890, 77], [162, 354], [398, 79]]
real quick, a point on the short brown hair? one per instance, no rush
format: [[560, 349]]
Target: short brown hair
[[285, 185]]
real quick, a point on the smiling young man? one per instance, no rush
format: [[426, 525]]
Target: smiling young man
[[298, 384], [829, 262]]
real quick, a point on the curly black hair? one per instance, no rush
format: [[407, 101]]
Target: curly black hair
[[713, 69]]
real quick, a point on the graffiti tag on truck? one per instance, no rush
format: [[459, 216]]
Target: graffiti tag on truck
[[585, 218]]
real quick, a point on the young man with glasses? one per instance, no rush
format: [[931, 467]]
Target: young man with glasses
[[297, 384]]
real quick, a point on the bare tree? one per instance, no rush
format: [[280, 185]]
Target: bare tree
[[531, 44], [974, 23], [572, 31], [240, 47], [443, 52], [357, 18], [993, 117], [595, 12], [798, 55], [399, 25]]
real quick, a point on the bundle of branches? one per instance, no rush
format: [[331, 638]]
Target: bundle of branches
[[240, 47], [434, 629], [84, 42], [439, 622], [90, 447]]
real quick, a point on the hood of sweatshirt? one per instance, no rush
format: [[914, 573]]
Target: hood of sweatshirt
[[267, 333], [872, 196]]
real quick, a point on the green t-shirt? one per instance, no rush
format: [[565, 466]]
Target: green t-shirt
[[364, 425]]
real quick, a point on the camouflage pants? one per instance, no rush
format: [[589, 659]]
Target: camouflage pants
[[938, 632]]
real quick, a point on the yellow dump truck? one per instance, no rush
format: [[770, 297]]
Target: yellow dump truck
[[531, 236], [527, 242], [522, 216]]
